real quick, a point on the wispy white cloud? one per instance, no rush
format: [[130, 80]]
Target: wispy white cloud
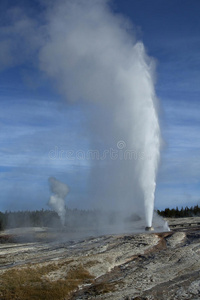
[[178, 180], [19, 38]]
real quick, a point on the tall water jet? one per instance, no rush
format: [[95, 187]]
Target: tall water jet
[[94, 57], [57, 200]]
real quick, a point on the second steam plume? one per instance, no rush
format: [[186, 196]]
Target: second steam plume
[[93, 55], [59, 192]]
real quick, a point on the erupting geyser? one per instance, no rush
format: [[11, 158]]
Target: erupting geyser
[[57, 200], [94, 56]]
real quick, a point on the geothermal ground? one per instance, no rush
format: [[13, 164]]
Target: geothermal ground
[[150, 265]]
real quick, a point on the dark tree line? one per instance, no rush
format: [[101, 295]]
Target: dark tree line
[[41, 218], [74, 218], [77, 218], [180, 213]]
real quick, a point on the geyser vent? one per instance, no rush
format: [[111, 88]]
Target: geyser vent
[[149, 228]]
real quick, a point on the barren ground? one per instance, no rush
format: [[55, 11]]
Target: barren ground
[[125, 266]]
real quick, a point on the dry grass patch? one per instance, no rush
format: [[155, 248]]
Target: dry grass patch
[[31, 283]]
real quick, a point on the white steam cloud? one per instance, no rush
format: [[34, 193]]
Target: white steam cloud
[[57, 200], [93, 56]]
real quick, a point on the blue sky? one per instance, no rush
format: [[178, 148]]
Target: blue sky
[[35, 118]]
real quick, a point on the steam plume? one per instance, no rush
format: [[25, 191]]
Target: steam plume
[[57, 200], [93, 56]]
